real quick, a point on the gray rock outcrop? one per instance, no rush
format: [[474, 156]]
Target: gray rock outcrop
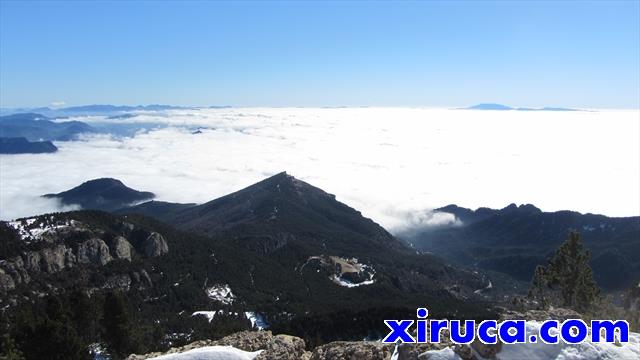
[[122, 248], [94, 251], [341, 350], [155, 245], [6, 281], [59, 244], [53, 259]]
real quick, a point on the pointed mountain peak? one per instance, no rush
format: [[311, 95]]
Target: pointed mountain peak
[[284, 185], [282, 209]]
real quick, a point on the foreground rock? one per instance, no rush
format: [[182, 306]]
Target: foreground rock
[[274, 347], [353, 350], [285, 347]]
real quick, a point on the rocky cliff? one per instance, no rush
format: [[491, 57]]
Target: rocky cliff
[[52, 244]]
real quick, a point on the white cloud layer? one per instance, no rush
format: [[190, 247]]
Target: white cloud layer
[[389, 163]]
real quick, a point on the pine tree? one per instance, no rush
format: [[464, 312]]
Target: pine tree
[[8, 349], [569, 271], [569, 274], [539, 286], [118, 324]]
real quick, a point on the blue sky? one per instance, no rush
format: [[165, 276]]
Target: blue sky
[[574, 54]]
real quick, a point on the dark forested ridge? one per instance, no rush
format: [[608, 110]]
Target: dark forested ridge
[[20, 145], [283, 249], [129, 281], [515, 239], [37, 127]]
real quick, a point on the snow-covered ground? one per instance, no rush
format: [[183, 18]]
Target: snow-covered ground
[[211, 353], [352, 266], [210, 315], [560, 351], [346, 283], [30, 230]]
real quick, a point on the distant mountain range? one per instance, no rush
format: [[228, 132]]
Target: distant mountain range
[[287, 220], [20, 145], [281, 211], [100, 109], [491, 106], [106, 109], [515, 239], [37, 127]]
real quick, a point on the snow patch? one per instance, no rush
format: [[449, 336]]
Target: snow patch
[[346, 283], [32, 229], [208, 314], [221, 293], [585, 350], [442, 354], [98, 351], [351, 266], [479, 291], [211, 353], [560, 351], [257, 320]]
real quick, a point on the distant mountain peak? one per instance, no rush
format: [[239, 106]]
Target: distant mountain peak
[[282, 209], [494, 106], [489, 106], [102, 194]]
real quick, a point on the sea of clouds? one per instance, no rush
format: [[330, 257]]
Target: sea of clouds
[[392, 164]]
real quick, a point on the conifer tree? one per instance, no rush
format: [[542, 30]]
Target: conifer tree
[[539, 286], [8, 349], [569, 275], [118, 324]]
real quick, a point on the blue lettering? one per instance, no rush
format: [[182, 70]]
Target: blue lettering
[[579, 336], [545, 332], [517, 337], [483, 332], [398, 331], [436, 326], [609, 330], [469, 331]]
